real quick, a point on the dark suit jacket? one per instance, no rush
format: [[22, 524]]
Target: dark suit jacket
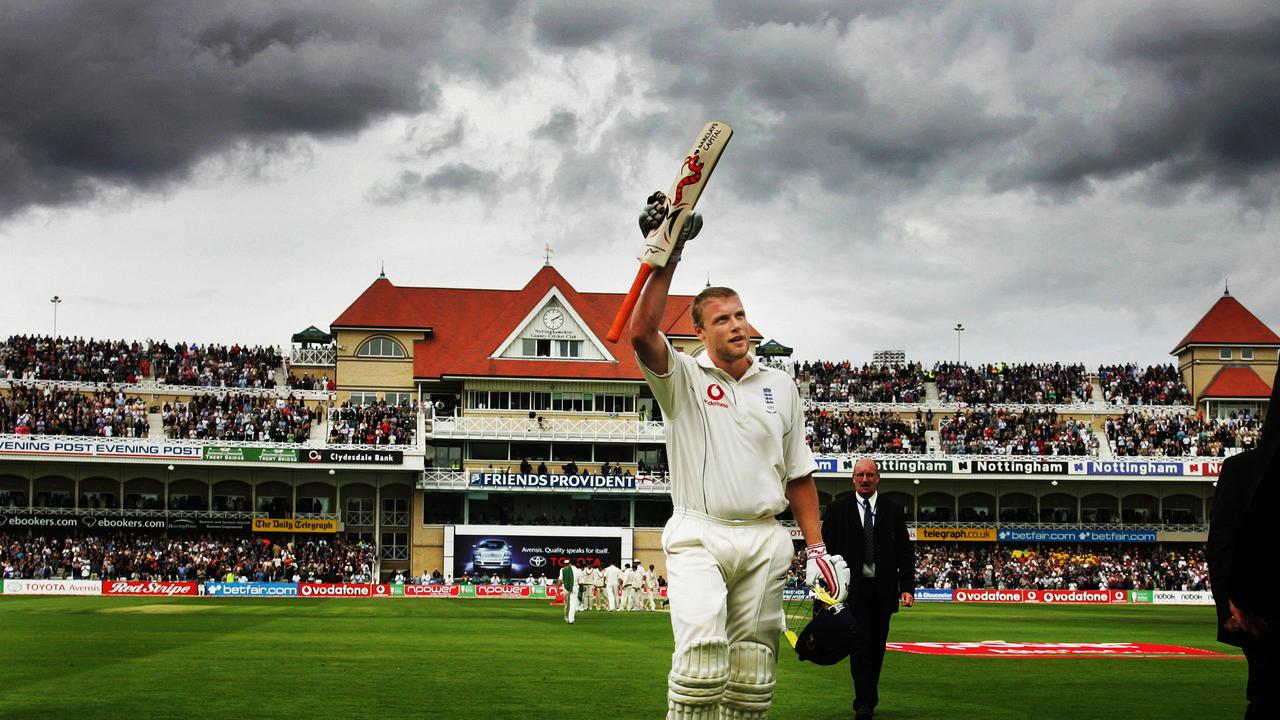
[[895, 556], [1241, 537]]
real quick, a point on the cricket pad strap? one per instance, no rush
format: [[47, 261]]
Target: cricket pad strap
[[749, 692], [696, 683]]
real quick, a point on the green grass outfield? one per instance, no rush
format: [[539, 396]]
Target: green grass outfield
[[81, 658]]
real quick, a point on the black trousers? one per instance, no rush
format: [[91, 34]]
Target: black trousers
[[1261, 690], [866, 655]]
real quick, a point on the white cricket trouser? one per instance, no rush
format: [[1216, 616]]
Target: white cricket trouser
[[725, 578], [611, 592], [570, 606]]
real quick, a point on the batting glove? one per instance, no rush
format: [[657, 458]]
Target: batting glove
[[829, 570], [655, 212]]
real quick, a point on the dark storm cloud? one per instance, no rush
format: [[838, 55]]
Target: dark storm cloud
[[573, 23], [131, 95], [561, 127], [1201, 105], [450, 180]]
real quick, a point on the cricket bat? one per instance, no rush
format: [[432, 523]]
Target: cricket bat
[[694, 173]]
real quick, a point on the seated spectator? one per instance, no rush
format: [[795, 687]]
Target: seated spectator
[[24, 357], [140, 557], [234, 366], [839, 432], [46, 410], [1144, 433], [988, 431], [844, 382], [1155, 385], [233, 416], [377, 423], [998, 383]]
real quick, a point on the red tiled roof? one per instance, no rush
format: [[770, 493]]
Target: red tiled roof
[[1228, 322], [1236, 382], [469, 324]]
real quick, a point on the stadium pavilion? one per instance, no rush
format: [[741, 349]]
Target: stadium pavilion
[[514, 413]]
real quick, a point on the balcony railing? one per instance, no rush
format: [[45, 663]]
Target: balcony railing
[[151, 387], [546, 428], [395, 518], [322, 355], [361, 518]]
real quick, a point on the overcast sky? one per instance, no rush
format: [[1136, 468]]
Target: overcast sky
[[1072, 181]]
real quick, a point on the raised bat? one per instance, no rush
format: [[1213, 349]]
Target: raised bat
[[695, 171]]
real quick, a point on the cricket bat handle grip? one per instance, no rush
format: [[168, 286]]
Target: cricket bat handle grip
[[629, 303]]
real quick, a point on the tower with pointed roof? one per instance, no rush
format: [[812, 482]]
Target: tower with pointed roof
[[1228, 359]]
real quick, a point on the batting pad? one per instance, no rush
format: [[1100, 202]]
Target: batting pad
[[749, 692], [696, 683]]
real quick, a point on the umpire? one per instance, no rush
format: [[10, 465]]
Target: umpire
[[1240, 554], [870, 531]]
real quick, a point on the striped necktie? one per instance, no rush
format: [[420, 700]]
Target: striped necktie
[[868, 527]]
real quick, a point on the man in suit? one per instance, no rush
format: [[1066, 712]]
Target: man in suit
[[1240, 552], [880, 579]]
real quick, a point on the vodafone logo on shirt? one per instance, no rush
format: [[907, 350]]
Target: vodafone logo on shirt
[[715, 396]]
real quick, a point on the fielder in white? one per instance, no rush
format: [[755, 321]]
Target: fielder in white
[[611, 577], [650, 588], [736, 446]]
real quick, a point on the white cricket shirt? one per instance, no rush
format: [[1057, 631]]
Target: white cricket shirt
[[732, 444]]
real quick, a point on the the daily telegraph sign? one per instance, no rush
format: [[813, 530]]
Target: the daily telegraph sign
[[119, 448], [520, 481]]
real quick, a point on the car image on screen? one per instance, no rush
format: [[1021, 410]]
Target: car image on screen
[[491, 554]]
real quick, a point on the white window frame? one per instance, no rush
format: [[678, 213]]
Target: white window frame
[[387, 348]]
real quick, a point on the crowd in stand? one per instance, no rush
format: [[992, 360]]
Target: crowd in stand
[[988, 431], [310, 382], [845, 382], [216, 365], [832, 431], [24, 357], [1154, 385], [1060, 568], [54, 411], [203, 558], [1142, 433], [31, 357], [1051, 383], [233, 416], [379, 423]]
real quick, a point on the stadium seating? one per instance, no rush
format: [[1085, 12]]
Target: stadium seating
[[845, 382], [835, 431], [1058, 568], [140, 557], [28, 410], [236, 416], [1154, 385], [1142, 433], [999, 383], [378, 423], [988, 431]]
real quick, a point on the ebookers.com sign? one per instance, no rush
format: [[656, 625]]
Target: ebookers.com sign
[[52, 587]]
